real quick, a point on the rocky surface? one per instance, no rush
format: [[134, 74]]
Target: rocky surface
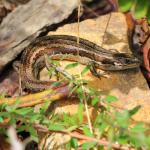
[[128, 86], [26, 22]]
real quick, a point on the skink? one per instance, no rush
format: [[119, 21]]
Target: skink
[[57, 45]]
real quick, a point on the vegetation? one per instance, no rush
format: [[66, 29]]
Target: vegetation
[[110, 127], [140, 8]]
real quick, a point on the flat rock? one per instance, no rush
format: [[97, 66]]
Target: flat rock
[[24, 24], [111, 32]]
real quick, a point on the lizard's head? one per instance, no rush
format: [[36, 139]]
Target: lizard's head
[[121, 61]]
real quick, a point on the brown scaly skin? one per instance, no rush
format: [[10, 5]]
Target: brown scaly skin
[[57, 45]]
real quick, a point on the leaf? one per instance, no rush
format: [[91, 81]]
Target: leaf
[[134, 141], [125, 5], [134, 110], [102, 127], [14, 106], [1, 119], [87, 131], [34, 138], [51, 61], [56, 83], [56, 62], [51, 71], [21, 128], [56, 127], [122, 139], [141, 8], [34, 118], [23, 111], [80, 93], [88, 145], [8, 108], [73, 90], [3, 107], [148, 15], [122, 119], [70, 120], [13, 121], [72, 65], [138, 128], [67, 146], [111, 98], [111, 134], [74, 142], [72, 128], [148, 141], [80, 113], [44, 107], [86, 69], [95, 100], [33, 133]]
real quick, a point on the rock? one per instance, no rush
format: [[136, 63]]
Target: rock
[[94, 30], [128, 86], [26, 22]]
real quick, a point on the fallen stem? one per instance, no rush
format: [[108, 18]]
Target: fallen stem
[[80, 136], [38, 98]]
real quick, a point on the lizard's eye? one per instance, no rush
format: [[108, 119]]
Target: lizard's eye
[[107, 61], [124, 58], [122, 55]]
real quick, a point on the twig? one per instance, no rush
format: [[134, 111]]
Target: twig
[[17, 66], [105, 30], [91, 10], [77, 135], [57, 69], [20, 84], [79, 9], [38, 98], [84, 100]]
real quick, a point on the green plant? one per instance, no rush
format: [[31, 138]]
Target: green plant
[[110, 128], [140, 8]]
